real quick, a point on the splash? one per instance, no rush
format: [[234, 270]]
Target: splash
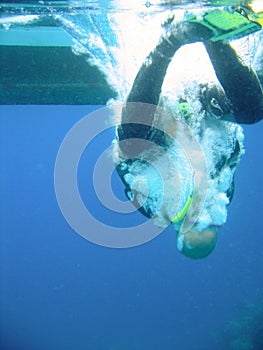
[[116, 42], [116, 36]]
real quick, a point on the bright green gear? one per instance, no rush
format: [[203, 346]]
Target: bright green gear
[[184, 109], [180, 216], [228, 25]]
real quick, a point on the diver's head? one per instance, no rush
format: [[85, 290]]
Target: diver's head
[[215, 101], [197, 244]]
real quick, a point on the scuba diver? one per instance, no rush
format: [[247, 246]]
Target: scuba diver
[[236, 99]]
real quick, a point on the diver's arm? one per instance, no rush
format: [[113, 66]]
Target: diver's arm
[[240, 82]]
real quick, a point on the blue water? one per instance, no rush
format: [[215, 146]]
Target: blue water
[[59, 291]]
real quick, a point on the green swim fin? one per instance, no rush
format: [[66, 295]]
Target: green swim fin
[[229, 25]]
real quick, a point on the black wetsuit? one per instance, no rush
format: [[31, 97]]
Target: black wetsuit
[[240, 83], [241, 87]]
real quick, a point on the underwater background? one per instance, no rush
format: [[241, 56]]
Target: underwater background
[[60, 291]]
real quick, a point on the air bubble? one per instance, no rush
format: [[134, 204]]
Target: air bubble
[[148, 4]]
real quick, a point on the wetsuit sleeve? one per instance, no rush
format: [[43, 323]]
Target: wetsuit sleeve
[[239, 81]]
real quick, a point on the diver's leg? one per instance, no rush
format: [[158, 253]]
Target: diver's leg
[[240, 82], [146, 89], [148, 82]]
